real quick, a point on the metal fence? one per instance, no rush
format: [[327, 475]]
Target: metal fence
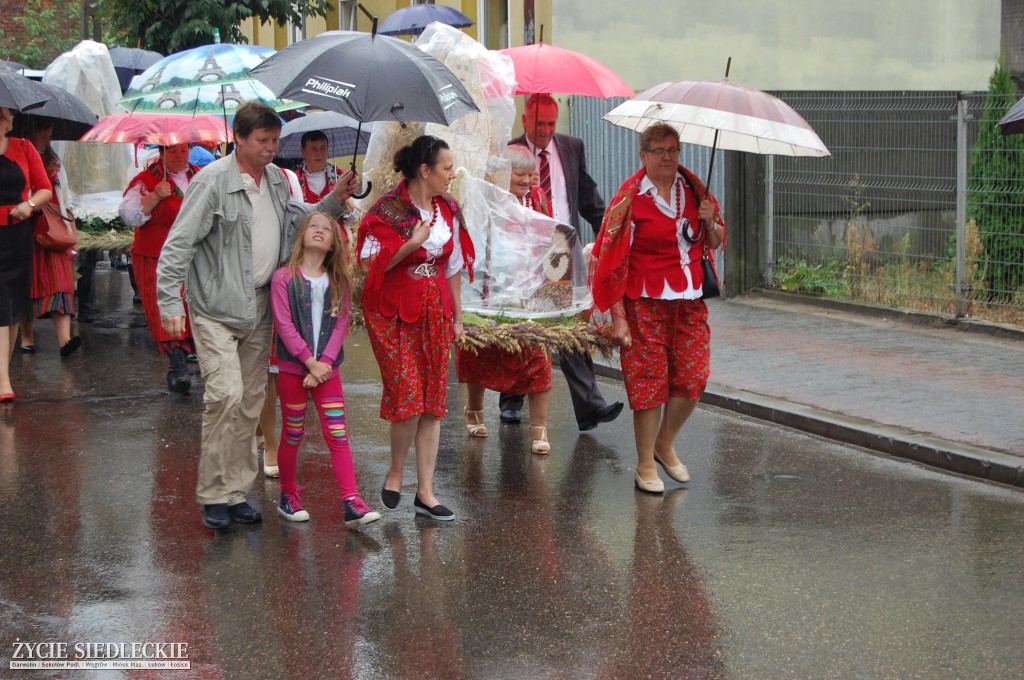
[[917, 207]]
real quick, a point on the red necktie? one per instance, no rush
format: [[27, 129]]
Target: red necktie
[[545, 174]]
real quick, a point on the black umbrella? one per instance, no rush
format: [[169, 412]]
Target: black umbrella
[[130, 62], [66, 113], [19, 93], [1013, 122], [366, 76], [340, 129], [13, 65], [412, 20]]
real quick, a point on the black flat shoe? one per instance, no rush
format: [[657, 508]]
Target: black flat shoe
[[438, 512], [390, 498], [28, 349], [70, 346]]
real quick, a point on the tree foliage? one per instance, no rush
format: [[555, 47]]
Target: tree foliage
[[43, 35], [995, 198], [169, 26]]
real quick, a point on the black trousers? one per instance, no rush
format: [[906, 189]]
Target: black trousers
[[578, 369], [86, 286]]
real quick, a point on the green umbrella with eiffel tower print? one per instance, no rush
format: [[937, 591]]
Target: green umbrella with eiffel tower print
[[212, 79]]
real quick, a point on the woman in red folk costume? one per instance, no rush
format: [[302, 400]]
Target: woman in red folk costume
[[648, 273], [151, 204], [413, 244], [53, 271], [527, 372]]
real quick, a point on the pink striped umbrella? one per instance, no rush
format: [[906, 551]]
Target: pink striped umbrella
[[154, 128], [723, 114]]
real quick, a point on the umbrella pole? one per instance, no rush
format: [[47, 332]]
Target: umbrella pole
[[714, 145], [355, 152]]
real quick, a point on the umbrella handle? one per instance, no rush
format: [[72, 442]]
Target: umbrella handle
[[366, 192]]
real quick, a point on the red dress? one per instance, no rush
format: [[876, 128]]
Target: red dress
[[53, 273], [408, 309]]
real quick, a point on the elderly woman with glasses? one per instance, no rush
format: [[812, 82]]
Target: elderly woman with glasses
[[648, 273], [413, 245], [527, 372]]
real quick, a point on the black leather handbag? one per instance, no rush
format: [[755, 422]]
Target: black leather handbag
[[711, 289]]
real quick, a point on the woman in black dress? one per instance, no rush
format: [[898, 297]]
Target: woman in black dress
[[24, 190]]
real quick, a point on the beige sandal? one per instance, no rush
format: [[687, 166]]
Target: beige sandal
[[540, 444], [475, 423]]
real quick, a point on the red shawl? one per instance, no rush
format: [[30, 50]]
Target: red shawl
[[391, 220], [610, 257]]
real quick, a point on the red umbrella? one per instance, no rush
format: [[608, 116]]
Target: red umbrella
[[153, 128], [553, 70]]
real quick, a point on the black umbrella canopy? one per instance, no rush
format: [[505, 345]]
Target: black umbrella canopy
[[13, 65], [1013, 122], [368, 77], [68, 115], [19, 93], [130, 62], [342, 139], [413, 19]]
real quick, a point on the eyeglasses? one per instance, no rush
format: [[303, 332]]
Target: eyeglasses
[[658, 153]]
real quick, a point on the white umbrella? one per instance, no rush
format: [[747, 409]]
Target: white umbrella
[[741, 118]]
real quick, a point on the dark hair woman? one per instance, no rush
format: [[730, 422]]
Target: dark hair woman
[[24, 190], [413, 244]]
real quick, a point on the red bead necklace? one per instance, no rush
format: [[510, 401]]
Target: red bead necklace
[[435, 210]]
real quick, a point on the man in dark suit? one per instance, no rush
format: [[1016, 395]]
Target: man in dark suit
[[571, 192]]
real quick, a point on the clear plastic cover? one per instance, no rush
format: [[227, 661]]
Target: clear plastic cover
[[528, 265], [88, 73]]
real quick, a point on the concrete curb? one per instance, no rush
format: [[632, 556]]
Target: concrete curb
[[894, 441]]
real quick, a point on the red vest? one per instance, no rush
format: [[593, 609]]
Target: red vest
[[308, 195], [654, 257], [401, 290], [150, 237]]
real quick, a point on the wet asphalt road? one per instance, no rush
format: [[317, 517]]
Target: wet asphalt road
[[787, 556]]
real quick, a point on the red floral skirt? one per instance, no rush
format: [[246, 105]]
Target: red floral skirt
[[496, 369], [145, 279], [413, 359], [670, 354]]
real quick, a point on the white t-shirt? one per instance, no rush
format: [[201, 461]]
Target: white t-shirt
[[266, 230], [318, 293]]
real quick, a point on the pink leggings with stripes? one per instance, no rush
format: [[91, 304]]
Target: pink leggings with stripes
[[329, 399]]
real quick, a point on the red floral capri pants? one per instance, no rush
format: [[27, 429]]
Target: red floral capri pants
[[670, 353]]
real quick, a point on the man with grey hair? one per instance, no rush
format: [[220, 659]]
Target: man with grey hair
[[233, 230]]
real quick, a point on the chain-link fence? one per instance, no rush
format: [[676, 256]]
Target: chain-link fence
[[918, 206]]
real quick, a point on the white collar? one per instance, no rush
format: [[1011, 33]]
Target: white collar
[[647, 186]]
